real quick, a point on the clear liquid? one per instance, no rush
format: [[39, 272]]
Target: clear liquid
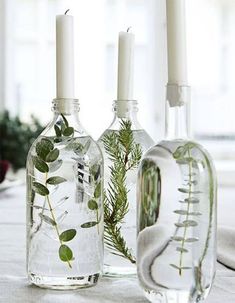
[[176, 222], [115, 265], [69, 206]]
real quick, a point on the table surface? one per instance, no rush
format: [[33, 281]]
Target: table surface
[[13, 283]]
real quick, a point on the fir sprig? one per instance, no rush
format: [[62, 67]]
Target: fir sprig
[[125, 155]]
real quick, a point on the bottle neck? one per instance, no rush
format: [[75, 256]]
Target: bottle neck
[[65, 107], [177, 123], [126, 109]]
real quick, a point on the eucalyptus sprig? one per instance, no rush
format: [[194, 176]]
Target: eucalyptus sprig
[[124, 155], [62, 129], [46, 154]]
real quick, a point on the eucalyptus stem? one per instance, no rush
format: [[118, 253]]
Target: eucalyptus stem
[[54, 219], [187, 216]]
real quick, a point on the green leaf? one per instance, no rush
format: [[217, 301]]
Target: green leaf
[[65, 253], [182, 250], [68, 131], [97, 192], [40, 189], [89, 224], [43, 148], [65, 120], [92, 204], [191, 240], [55, 180], [68, 235], [58, 140], [57, 130], [181, 212], [178, 239], [188, 223], [53, 155], [182, 267], [47, 219], [40, 165]]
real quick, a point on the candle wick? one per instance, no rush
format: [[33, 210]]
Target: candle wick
[[66, 11], [128, 29]]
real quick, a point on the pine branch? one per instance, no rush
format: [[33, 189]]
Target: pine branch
[[125, 155]]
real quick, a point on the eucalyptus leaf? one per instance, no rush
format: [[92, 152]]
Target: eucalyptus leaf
[[190, 223], [191, 200], [40, 189], [68, 131], [40, 165], [65, 120], [97, 192], [55, 180], [178, 239], [92, 204], [47, 219], [180, 268], [58, 140], [182, 250], [68, 235], [43, 147], [65, 253], [188, 191], [89, 224], [53, 155], [181, 212], [191, 240], [57, 130]]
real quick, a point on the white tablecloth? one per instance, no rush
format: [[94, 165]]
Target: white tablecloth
[[13, 282]]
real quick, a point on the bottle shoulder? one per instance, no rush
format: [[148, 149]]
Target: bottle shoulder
[[182, 152]]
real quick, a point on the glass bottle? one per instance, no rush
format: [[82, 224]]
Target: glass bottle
[[122, 145], [64, 203], [177, 192]]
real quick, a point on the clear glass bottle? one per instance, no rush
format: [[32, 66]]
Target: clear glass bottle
[[177, 192], [122, 144], [64, 203]]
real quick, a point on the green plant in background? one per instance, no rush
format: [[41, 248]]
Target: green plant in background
[[16, 137], [125, 155]]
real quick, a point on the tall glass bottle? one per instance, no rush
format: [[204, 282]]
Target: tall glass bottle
[[64, 203], [122, 145], [176, 246]]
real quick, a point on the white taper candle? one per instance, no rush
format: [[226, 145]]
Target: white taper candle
[[125, 66], [176, 42], [64, 57]]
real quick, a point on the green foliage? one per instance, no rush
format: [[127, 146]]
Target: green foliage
[[89, 224], [16, 137], [55, 180], [68, 235], [65, 253], [125, 155], [40, 189], [92, 205], [62, 128]]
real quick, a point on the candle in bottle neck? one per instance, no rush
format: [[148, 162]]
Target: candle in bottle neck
[[125, 66], [64, 57], [176, 42]]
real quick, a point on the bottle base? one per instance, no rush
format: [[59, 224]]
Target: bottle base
[[119, 272], [63, 283], [173, 296]]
